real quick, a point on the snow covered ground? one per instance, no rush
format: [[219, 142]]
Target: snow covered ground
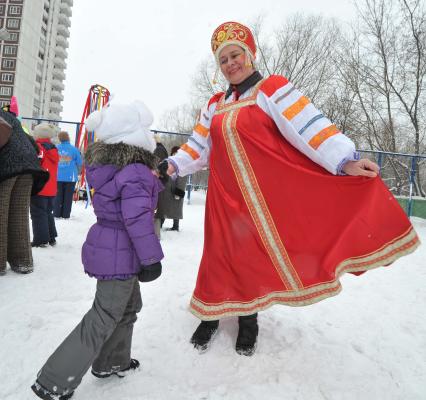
[[367, 343]]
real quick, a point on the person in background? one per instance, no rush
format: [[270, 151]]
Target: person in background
[[68, 170], [120, 250], [20, 176], [41, 209], [170, 200], [160, 151], [290, 205]]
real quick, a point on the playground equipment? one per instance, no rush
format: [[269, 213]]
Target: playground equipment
[[97, 98]]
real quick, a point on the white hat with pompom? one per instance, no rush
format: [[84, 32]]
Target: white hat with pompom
[[128, 124]]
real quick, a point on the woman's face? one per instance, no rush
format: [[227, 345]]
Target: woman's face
[[232, 61]]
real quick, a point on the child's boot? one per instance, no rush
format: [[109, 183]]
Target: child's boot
[[121, 373], [45, 394]]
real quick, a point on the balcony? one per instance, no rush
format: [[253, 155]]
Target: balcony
[[58, 74], [63, 30], [57, 84], [61, 41], [59, 63], [65, 9], [55, 106], [64, 20], [61, 52], [69, 2], [56, 96], [54, 115]]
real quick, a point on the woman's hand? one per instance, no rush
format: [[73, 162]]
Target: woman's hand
[[363, 167]]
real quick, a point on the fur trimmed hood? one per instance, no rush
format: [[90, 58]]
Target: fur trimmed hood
[[118, 154]]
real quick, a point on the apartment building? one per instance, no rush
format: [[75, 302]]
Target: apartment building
[[33, 58]]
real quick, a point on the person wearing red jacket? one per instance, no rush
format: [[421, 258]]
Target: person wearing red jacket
[[41, 209]]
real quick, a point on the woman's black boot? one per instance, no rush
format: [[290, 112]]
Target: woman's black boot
[[203, 335], [247, 335]]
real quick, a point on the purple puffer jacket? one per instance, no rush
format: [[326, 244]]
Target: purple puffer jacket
[[123, 239]]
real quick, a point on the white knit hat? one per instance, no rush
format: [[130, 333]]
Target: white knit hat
[[45, 131], [123, 123]]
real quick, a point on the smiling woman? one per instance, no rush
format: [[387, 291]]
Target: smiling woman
[[283, 222], [234, 64]]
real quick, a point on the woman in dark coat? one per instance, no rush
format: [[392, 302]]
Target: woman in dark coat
[[170, 200], [20, 176]]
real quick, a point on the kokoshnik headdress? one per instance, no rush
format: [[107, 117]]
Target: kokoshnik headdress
[[233, 33]]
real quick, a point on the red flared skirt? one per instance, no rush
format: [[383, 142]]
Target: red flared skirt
[[279, 229]]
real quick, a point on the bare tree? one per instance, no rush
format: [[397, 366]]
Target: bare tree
[[179, 120], [384, 65], [302, 50]]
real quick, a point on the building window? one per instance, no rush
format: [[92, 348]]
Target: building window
[[6, 77], [10, 50], [13, 23], [1, 10], [4, 103], [5, 90], [36, 111], [15, 10], [38, 78], [13, 37], [8, 64], [43, 31], [37, 90], [40, 55]]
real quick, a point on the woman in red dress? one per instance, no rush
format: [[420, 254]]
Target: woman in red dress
[[290, 205]]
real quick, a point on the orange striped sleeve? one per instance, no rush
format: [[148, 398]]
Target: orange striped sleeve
[[323, 135], [194, 155], [201, 130], [295, 108]]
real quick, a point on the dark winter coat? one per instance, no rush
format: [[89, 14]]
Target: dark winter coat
[[18, 156], [170, 200], [125, 195], [161, 152], [49, 159]]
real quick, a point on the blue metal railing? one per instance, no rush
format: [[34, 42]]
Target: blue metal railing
[[414, 159]]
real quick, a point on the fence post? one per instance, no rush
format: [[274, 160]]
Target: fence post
[[412, 177], [77, 129], [189, 188], [380, 162]]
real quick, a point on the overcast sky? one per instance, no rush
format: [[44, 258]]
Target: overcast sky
[[149, 50]]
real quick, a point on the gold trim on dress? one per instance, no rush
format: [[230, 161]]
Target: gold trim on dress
[[222, 107], [256, 203]]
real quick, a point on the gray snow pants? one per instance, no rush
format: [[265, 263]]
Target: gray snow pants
[[102, 339]]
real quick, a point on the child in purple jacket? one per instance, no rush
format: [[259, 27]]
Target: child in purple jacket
[[121, 248]]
